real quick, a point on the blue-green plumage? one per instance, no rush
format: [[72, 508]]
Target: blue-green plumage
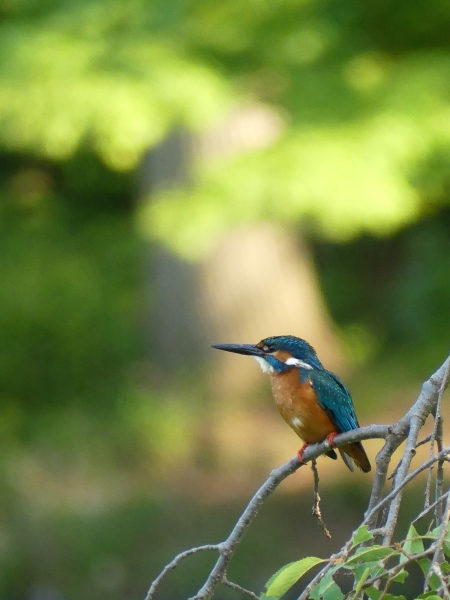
[[335, 399], [332, 394], [314, 401]]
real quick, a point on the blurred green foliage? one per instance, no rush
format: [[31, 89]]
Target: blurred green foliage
[[365, 106], [69, 280], [399, 289], [86, 89]]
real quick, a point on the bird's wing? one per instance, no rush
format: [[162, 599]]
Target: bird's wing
[[335, 399]]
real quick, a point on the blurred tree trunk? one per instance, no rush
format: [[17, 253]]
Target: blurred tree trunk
[[175, 327], [259, 280]]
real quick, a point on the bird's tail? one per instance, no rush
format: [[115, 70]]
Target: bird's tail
[[356, 452]]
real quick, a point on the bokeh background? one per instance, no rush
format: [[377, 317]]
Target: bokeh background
[[176, 174]]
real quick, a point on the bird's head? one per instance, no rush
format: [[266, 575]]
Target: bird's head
[[278, 353]]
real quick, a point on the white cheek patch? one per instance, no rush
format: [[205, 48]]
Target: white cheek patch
[[296, 362], [266, 368]]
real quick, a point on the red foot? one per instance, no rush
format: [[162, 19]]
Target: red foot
[[300, 452], [331, 437]]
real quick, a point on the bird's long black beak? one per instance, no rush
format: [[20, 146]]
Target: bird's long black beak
[[247, 349]]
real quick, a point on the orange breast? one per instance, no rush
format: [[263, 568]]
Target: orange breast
[[298, 406]]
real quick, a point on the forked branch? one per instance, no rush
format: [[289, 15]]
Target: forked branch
[[408, 428]]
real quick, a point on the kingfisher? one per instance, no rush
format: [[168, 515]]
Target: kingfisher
[[313, 401]]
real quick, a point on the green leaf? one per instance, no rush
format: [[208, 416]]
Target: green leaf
[[429, 596], [424, 564], [412, 545], [314, 595], [364, 555], [401, 576], [373, 593], [445, 567], [362, 580], [326, 582], [334, 592], [374, 569], [327, 588], [434, 534], [361, 535], [285, 578]]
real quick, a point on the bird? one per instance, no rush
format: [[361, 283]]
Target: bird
[[313, 401]]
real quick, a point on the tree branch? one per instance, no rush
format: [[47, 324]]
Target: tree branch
[[174, 563], [394, 435]]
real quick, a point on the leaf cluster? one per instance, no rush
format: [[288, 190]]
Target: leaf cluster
[[374, 568]]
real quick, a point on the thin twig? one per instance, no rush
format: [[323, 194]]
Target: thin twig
[[425, 440], [439, 483], [395, 471], [316, 506], [405, 482], [438, 556], [239, 588], [174, 563], [392, 572], [438, 433], [427, 510], [427, 500], [436, 569], [382, 461], [229, 546], [437, 436], [417, 422], [424, 405]]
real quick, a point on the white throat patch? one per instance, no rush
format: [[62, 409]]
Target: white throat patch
[[266, 368], [296, 362]]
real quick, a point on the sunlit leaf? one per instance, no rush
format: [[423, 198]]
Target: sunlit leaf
[[285, 578]]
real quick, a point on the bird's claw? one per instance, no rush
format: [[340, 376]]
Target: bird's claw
[[330, 438], [300, 453]]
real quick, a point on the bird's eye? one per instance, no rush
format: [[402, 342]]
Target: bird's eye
[[266, 348]]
